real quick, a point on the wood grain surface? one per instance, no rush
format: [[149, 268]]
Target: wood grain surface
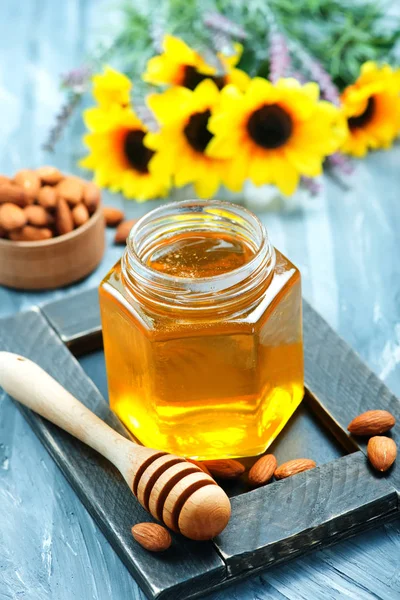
[[348, 388], [269, 525], [346, 243], [310, 510], [97, 483], [76, 321]]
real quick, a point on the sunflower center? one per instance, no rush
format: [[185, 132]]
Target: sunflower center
[[192, 77], [136, 153], [196, 131], [270, 126], [365, 117]]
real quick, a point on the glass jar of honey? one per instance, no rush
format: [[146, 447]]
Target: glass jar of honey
[[202, 332]]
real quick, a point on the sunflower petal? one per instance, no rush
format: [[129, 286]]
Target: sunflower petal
[[207, 187], [111, 87], [169, 105], [261, 168], [286, 177], [312, 90], [160, 71], [235, 173], [238, 78], [220, 147], [260, 91], [207, 92], [372, 107], [306, 163], [178, 49]]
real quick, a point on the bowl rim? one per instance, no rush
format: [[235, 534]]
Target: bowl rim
[[59, 239]]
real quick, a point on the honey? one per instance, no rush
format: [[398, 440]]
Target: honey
[[197, 255], [202, 332]]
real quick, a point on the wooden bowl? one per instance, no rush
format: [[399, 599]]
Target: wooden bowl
[[53, 263]]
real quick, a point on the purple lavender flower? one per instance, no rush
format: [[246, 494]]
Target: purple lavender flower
[[312, 185], [279, 58], [317, 73], [328, 89], [218, 22], [77, 79], [340, 162], [62, 119], [299, 76]]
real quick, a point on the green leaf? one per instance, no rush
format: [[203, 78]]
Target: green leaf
[[341, 34]]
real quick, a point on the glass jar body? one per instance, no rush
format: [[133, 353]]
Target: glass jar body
[[209, 385]]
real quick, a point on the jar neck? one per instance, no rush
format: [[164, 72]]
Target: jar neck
[[222, 294]]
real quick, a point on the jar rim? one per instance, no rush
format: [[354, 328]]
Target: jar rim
[[223, 204], [200, 294]]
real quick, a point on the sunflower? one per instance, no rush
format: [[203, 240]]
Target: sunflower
[[372, 109], [118, 154], [111, 87], [274, 133], [181, 143], [181, 65]]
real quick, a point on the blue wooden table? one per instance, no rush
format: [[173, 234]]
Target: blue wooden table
[[347, 245]]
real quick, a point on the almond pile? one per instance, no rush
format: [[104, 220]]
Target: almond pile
[[43, 203], [381, 450]]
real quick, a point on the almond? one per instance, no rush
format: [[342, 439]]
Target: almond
[[31, 234], [47, 197], [11, 216], [262, 470], [10, 192], [199, 464], [152, 537], [112, 216], [4, 179], [64, 220], [123, 230], [372, 422], [38, 216], [80, 214], [225, 468], [292, 467], [29, 181], [382, 452], [91, 196], [49, 175], [70, 189]]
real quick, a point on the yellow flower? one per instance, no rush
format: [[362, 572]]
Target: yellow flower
[[372, 109], [181, 143], [111, 87], [274, 133], [118, 155], [181, 65]]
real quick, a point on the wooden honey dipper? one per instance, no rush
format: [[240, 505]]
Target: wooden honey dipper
[[173, 490]]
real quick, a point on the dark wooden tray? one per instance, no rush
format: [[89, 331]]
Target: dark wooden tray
[[272, 524]]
